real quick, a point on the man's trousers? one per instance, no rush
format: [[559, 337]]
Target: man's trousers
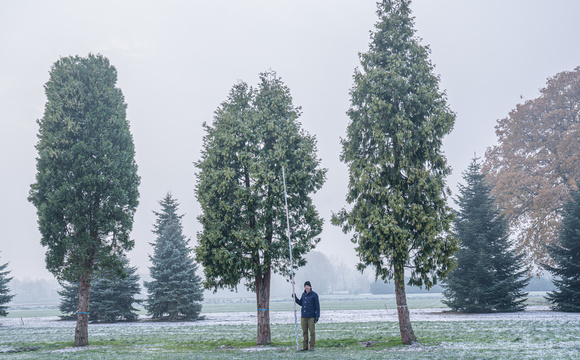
[[308, 325]]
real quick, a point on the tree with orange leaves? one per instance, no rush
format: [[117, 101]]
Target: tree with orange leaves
[[536, 163]]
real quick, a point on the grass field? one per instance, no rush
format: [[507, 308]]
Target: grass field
[[331, 302], [536, 335]]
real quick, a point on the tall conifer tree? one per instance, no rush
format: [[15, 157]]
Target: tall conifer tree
[[489, 275], [398, 118], [86, 183], [176, 291], [254, 133], [566, 257]]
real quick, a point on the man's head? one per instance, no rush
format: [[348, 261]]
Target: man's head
[[307, 286]]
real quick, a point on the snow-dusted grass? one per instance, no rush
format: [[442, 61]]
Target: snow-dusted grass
[[330, 302], [32, 310], [548, 338], [342, 334]]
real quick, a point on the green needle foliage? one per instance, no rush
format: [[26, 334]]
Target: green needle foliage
[[176, 291], [255, 132], [566, 256], [86, 183], [398, 118], [489, 275], [112, 296], [5, 296]]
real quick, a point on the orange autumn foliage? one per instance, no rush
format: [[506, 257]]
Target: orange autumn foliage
[[535, 164]]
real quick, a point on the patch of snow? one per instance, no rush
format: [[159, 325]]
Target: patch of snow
[[80, 348], [259, 348]]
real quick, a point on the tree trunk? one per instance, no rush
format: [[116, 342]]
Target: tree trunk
[[172, 316], [407, 335], [263, 301], [82, 329]]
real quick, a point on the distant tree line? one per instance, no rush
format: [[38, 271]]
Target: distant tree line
[[380, 287], [329, 276], [37, 291]]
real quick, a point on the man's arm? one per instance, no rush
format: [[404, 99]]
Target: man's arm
[[298, 301], [316, 307]]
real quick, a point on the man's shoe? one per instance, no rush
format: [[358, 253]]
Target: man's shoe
[[303, 350]]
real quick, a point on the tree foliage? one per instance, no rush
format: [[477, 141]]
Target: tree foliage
[[566, 258], [536, 162], [398, 117], [254, 133], [112, 296], [86, 183], [489, 275], [5, 296], [176, 291]]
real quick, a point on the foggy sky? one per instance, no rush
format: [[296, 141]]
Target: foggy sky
[[177, 61]]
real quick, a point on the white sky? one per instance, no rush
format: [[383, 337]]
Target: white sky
[[177, 61]]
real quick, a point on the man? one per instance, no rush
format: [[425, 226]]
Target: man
[[310, 314]]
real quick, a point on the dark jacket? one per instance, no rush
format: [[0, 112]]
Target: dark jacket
[[310, 305]]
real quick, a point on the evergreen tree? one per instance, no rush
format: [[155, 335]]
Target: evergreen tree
[[112, 296], [254, 133], [566, 256], [69, 300], [5, 295], [489, 275], [86, 183], [398, 118], [176, 290]]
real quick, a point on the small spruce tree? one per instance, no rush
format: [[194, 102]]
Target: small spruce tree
[[566, 256], [489, 275], [69, 300], [176, 290], [5, 295], [112, 296]]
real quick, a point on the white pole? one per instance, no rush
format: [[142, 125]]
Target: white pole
[[291, 262]]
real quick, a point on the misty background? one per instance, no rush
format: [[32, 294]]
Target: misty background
[[177, 61]]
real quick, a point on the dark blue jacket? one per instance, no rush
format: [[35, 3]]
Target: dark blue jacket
[[310, 305]]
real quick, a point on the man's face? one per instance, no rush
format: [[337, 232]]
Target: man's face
[[307, 288]]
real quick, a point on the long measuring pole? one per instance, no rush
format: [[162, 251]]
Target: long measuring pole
[[291, 262]]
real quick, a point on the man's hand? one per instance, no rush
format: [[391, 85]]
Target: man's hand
[[316, 320]]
